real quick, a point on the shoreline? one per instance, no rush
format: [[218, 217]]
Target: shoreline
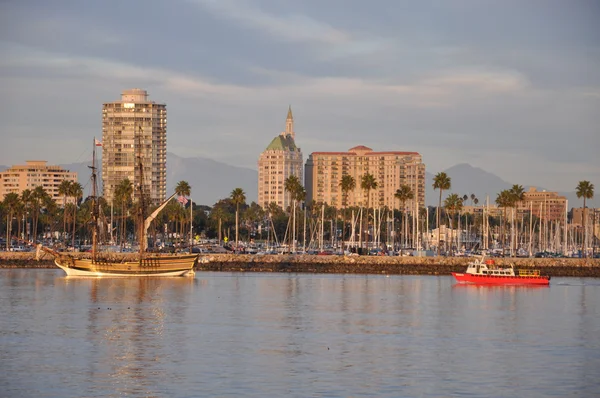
[[554, 267]]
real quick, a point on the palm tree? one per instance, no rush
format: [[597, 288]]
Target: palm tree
[[11, 201], [238, 197], [347, 184], [63, 190], [503, 200], [26, 200], [76, 192], [517, 194], [367, 183], [183, 189], [442, 182], [403, 194], [293, 186], [453, 205], [123, 194], [39, 197], [584, 190]]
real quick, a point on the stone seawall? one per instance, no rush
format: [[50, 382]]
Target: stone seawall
[[340, 264], [387, 265]]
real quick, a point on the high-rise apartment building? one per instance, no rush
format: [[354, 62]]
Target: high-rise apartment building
[[281, 159], [324, 172], [135, 127], [33, 174]]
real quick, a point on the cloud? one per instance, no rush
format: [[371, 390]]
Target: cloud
[[458, 82], [289, 27]]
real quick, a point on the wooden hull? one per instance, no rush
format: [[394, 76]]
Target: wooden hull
[[501, 279], [150, 266]]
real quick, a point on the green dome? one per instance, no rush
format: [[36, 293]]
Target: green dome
[[282, 143]]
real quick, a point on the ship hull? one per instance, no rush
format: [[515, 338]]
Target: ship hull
[[151, 266], [501, 279]]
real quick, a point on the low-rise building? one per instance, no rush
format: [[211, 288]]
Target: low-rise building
[[547, 206], [33, 174]]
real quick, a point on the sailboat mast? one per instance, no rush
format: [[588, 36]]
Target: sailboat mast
[[94, 205], [142, 202]]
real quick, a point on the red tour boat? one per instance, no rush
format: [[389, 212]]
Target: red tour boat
[[488, 273]]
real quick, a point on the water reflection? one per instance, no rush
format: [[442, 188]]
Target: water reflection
[[296, 335], [129, 324]]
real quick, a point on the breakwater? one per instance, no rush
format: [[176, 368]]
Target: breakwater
[[556, 267]]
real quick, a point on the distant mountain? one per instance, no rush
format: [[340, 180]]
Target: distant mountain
[[210, 180], [467, 179]]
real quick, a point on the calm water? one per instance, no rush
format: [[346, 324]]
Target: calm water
[[295, 335]]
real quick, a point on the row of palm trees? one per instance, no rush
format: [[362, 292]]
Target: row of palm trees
[[36, 203]]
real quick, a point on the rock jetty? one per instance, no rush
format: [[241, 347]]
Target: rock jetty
[[555, 267]]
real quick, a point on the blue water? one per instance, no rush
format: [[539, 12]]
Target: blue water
[[273, 335]]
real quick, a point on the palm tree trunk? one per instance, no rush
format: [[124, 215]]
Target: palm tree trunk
[[439, 210], [74, 225], [583, 244], [237, 209]]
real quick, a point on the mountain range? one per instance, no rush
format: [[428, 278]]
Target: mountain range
[[212, 180], [467, 180]]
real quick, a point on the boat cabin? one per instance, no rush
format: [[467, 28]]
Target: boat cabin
[[489, 268]]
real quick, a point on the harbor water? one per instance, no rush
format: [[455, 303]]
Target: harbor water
[[298, 335]]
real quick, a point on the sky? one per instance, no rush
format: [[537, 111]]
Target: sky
[[512, 87]]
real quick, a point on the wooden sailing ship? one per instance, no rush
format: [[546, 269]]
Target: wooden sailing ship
[[145, 264]]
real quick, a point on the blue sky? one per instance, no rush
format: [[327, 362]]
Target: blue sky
[[512, 87]]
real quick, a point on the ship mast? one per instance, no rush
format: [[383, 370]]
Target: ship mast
[[95, 210], [142, 201]]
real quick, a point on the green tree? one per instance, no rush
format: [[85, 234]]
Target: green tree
[[404, 194], [584, 190], [442, 182], [348, 184], [368, 183], [238, 197]]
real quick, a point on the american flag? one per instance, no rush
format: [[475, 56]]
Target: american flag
[[98, 143], [183, 200]]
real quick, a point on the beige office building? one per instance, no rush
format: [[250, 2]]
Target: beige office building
[[135, 127], [281, 159], [33, 174], [324, 172]]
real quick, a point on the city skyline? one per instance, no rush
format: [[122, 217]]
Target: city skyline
[[510, 87]]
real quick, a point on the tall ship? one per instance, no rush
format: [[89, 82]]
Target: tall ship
[[144, 265], [486, 272]]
